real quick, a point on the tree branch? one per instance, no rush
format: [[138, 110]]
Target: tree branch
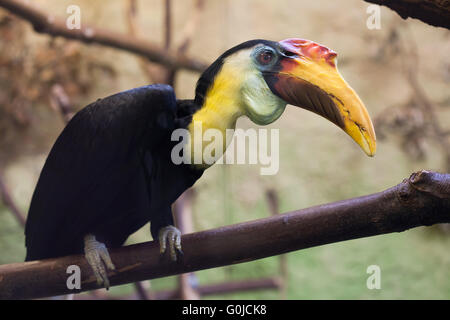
[[204, 290], [423, 199], [60, 102], [44, 23], [191, 26], [432, 12]]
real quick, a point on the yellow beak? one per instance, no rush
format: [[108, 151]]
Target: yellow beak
[[309, 79]]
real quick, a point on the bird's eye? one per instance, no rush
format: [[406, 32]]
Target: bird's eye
[[265, 57]]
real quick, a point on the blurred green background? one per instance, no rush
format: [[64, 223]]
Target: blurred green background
[[318, 162]]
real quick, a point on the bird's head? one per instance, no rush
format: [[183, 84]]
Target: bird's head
[[261, 77]]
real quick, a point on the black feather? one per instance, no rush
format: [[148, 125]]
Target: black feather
[[109, 173]]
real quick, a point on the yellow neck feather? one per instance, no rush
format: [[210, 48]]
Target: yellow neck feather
[[221, 108], [222, 105]]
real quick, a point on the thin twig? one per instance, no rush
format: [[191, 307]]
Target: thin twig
[[191, 27], [274, 206], [10, 203], [60, 102], [168, 24]]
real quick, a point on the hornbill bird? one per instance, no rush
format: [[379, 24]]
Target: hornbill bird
[[110, 171]]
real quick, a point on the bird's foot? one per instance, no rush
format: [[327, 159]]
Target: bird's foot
[[98, 258], [172, 236]]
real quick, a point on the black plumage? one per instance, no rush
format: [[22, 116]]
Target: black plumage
[[109, 173]]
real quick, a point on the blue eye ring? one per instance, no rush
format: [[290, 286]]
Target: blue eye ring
[[265, 56]]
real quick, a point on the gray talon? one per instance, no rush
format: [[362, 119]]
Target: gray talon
[[171, 235], [97, 256]]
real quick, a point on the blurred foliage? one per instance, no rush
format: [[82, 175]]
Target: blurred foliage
[[414, 121], [29, 70]]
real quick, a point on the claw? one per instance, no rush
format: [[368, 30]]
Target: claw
[[173, 236], [98, 257]]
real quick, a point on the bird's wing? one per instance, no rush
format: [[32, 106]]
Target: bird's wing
[[95, 156]]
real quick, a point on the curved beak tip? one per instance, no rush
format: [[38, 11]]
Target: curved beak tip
[[367, 143], [371, 153], [310, 80]]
